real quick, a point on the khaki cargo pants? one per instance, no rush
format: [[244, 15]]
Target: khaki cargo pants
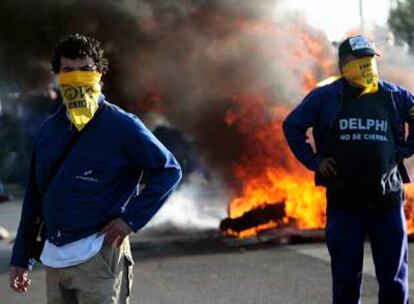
[[104, 279]]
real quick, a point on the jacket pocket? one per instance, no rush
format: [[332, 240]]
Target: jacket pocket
[[129, 264], [130, 273]]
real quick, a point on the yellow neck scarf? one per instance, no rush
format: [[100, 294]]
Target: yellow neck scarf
[[362, 72], [80, 91]]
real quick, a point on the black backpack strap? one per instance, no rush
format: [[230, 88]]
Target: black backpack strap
[[68, 147]]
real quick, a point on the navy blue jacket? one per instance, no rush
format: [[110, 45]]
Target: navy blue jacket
[[98, 180], [319, 110]]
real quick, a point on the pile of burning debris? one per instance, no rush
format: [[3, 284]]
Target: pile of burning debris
[[269, 222]]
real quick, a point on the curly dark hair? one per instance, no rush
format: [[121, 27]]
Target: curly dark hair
[[79, 46]]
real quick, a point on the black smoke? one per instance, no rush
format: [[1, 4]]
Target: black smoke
[[190, 61]]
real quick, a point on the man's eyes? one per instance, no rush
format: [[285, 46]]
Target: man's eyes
[[88, 68]]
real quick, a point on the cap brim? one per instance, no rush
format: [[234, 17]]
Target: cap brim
[[365, 52]]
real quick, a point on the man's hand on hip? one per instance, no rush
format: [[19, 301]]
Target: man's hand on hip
[[116, 231], [327, 168], [19, 279]]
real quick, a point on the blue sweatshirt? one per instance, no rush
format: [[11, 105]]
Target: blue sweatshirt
[[320, 109], [98, 180]]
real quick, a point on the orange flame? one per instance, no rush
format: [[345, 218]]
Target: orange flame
[[281, 179], [409, 207]]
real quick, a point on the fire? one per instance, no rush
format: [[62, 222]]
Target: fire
[[271, 173], [304, 204], [409, 207]]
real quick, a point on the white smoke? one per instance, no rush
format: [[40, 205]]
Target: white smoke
[[198, 205]]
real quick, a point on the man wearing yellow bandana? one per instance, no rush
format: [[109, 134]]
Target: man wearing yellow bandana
[[360, 136], [91, 201]]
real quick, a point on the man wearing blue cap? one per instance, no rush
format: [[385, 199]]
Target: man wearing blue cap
[[359, 129]]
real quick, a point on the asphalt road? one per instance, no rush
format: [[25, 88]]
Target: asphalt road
[[205, 270], [177, 266]]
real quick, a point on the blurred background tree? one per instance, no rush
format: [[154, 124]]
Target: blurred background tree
[[401, 22]]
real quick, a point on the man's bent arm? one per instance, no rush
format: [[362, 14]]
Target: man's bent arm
[[295, 126], [163, 174], [406, 149]]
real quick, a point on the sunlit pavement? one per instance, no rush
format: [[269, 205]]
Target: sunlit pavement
[[205, 268]]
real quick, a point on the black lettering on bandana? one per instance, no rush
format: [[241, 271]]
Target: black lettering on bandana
[[76, 104]]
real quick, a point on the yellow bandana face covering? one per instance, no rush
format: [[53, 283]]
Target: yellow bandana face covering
[[362, 72], [80, 91]]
